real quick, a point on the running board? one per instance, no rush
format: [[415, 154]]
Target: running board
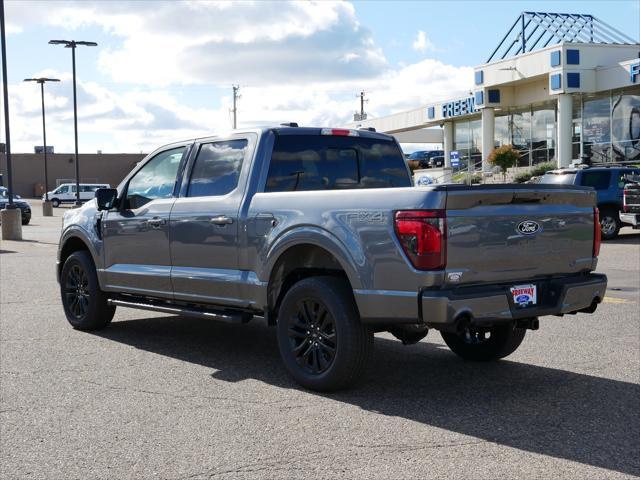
[[226, 317]]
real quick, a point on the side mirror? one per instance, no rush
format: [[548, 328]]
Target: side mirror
[[106, 198]]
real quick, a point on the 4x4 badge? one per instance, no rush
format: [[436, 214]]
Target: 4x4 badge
[[528, 227]]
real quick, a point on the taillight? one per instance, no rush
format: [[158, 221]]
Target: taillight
[[597, 232], [422, 234]]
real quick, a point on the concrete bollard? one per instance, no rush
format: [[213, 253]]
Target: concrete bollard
[[47, 208], [11, 220]]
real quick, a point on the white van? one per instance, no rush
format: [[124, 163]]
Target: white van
[[66, 192]]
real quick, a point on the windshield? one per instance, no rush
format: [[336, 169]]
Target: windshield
[[558, 178], [4, 194], [417, 155]]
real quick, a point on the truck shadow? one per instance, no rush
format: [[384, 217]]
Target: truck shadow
[[582, 418], [628, 239]]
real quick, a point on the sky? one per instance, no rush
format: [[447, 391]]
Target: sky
[[163, 70]]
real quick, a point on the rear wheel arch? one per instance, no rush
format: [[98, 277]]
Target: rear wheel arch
[[296, 263]]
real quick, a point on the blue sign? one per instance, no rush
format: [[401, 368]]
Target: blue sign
[[635, 71], [454, 155], [456, 108]]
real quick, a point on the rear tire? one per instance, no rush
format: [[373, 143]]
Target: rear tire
[[85, 305], [55, 203], [485, 344], [26, 220], [609, 224], [322, 343]]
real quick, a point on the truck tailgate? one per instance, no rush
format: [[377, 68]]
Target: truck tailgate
[[508, 233]]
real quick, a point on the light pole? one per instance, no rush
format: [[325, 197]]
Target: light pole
[[72, 44], [10, 216], [47, 210]]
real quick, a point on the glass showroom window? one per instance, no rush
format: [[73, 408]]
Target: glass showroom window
[[502, 136], [596, 128], [543, 134], [625, 125], [461, 141], [521, 135], [475, 151], [576, 130]]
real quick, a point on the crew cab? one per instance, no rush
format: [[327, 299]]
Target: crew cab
[[320, 232]]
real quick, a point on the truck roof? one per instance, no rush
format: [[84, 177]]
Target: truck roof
[[287, 130], [567, 170]]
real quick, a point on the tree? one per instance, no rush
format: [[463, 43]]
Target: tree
[[504, 157]]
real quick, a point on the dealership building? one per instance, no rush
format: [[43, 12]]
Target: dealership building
[[559, 87]]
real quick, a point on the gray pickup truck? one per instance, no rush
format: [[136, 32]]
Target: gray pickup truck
[[321, 233]]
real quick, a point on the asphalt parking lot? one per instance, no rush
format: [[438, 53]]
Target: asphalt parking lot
[[155, 396]]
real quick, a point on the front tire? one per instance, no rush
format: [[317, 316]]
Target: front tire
[[55, 203], [485, 344], [85, 305], [26, 220], [609, 224], [322, 343]]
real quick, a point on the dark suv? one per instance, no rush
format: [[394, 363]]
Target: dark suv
[[428, 158], [608, 183]]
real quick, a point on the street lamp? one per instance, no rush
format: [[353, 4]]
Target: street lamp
[[72, 45], [46, 206]]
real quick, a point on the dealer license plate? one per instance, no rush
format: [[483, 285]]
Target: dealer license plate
[[524, 295]]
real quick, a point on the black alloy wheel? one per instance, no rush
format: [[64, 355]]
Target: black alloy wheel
[[312, 336], [76, 291], [322, 342], [85, 305], [485, 343]]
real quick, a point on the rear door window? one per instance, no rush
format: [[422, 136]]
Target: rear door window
[[597, 180], [318, 162], [217, 168]]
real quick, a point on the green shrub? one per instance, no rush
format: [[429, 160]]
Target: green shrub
[[504, 157], [522, 177], [542, 168]]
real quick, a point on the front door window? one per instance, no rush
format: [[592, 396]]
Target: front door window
[[155, 180]]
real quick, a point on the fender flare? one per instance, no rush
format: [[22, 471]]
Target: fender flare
[[320, 238], [75, 231]]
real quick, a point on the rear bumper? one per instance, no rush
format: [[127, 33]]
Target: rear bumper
[[493, 303], [630, 218], [480, 304]]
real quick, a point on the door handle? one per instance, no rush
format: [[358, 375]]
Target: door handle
[[156, 222], [222, 220]]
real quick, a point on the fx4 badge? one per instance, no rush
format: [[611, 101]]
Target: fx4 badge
[[528, 227]]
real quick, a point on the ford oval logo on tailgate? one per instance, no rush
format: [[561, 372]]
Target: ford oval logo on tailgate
[[528, 227]]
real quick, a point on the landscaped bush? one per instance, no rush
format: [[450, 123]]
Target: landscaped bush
[[536, 171], [522, 177], [504, 157], [543, 168]]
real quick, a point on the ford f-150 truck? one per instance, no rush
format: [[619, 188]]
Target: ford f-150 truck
[[321, 233]]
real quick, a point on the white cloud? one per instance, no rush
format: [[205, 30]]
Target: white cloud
[[298, 61], [422, 43]]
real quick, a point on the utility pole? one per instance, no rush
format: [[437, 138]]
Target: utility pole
[[235, 105], [361, 116]]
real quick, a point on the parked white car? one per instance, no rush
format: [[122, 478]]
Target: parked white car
[[66, 192]]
